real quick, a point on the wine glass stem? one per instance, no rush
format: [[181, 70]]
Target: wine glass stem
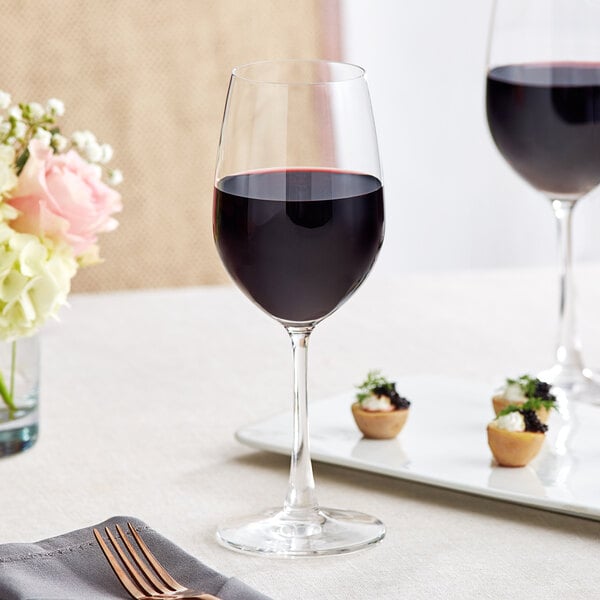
[[568, 352], [301, 500]]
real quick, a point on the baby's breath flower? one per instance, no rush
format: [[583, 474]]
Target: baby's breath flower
[[59, 142], [83, 138], [55, 107], [15, 112], [107, 153], [78, 139], [43, 135], [115, 177], [5, 128], [4, 100], [90, 138], [36, 110], [20, 130], [93, 152], [8, 177]]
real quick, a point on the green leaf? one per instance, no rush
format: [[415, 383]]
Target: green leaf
[[374, 380], [509, 409], [21, 160]]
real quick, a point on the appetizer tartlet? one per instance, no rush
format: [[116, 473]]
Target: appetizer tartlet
[[379, 411], [517, 392], [516, 435]]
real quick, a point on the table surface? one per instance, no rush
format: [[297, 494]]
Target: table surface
[[142, 393]]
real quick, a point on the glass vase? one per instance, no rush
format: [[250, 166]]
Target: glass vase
[[19, 394]]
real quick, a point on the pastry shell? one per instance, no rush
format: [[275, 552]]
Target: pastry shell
[[379, 425], [514, 448]]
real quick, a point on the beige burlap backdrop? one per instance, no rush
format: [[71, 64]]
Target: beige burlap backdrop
[[150, 78]]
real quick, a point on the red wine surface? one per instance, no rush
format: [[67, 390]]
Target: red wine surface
[[545, 120], [298, 242]]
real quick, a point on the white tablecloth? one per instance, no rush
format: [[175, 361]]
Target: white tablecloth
[[142, 393]]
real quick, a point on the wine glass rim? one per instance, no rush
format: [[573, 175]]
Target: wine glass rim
[[355, 71]]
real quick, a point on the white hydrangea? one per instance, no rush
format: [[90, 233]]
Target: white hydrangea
[[35, 280]]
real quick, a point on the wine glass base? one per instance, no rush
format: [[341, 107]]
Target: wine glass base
[[579, 385], [327, 532]]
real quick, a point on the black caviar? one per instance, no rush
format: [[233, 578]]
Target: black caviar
[[542, 391], [532, 422], [389, 390]]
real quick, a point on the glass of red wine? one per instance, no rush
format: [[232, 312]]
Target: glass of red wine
[[543, 110], [298, 223]]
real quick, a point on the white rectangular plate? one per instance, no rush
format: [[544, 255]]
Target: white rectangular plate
[[444, 443]]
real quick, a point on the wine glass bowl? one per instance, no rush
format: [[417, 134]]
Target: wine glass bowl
[[543, 118], [543, 111], [299, 258], [298, 221]]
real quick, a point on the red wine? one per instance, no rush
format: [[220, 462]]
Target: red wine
[[298, 242], [545, 120]]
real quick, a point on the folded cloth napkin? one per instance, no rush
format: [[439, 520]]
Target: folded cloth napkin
[[72, 567]]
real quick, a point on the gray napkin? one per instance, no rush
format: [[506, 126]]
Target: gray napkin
[[72, 567]]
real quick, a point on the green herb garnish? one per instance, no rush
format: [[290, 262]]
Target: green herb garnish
[[537, 393], [531, 404], [512, 408], [373, 381], [376, 384], [530, 417]]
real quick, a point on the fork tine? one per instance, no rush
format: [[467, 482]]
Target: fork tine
[[116, 567], [160, 570], [142, 585], [159, 585]]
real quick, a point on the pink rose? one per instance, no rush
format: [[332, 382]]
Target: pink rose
[[61, 196]]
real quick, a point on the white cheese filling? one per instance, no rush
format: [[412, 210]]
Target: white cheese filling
[[377, 404], [513, 421], [514, 393]]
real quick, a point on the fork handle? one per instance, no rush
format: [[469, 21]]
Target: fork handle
[[171, 596]]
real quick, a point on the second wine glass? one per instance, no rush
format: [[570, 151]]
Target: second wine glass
[[298, 223], [543, 110]]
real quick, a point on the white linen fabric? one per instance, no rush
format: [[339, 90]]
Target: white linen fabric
[[142, 393]]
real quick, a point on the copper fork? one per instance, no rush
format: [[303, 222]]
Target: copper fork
[[150, 581]]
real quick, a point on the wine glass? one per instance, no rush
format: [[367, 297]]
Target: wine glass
[[543, 110], [298, 223]]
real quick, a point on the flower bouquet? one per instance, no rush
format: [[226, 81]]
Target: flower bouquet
[[56, 196]]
